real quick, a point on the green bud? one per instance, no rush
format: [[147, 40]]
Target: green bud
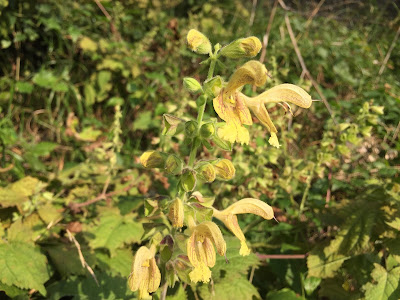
[[198, 42], [192, 85], [188, 180], [224, 169], [191, 128], [172, 125], [173, 164], [245, 47], [213, 86], [207, 130], [153, 159], [206, 172]]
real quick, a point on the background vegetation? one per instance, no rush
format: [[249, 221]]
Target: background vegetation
[[83, 86]]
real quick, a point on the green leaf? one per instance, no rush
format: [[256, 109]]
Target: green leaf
[[284, 294], [43, 148], [324, 263], [89, 134], [387, 284], [237, 264], [113, 230], [90, 94], [21, 232], [310, 284], [228, 289], [180, 294], [18, 192], [119, 264], [11, 290], [24, 266], [109, 288], [24, 87], [45, 79], [65, 259]]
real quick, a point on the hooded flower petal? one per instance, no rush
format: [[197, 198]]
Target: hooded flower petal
[[201, 252], [253, 72], [145, 275], [286, 93], [247, 205]]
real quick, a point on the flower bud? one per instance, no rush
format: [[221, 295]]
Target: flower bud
[[153, 159], [206, 172], [192, 85], [172, 125], [191, 128], [188, 180], [245, 47], [173, 164], [176, 214], [207, 130], [198, 42], [224, 169]]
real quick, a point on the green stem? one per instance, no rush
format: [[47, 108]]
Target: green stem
[[200, 113]]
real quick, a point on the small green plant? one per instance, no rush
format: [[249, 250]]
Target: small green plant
[[188, 238]]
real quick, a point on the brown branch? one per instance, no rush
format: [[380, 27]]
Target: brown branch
[[313, 14], [305, 70], [102, 196], [281, 256], [389, 52], [266, 36], [109, 18]]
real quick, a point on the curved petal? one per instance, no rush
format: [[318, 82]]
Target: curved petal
[[252, 72], [286, 93], [154, 276], [212, 231], [258, 109], [251, 206], [210, 252]]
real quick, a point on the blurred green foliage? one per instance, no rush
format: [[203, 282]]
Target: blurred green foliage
[[83, 94]]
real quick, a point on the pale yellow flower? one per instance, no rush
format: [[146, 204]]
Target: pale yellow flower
[[145, 275], [232, 106], [244, 206], [201, 252]]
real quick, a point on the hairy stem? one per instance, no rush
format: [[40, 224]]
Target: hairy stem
[[200, 114]]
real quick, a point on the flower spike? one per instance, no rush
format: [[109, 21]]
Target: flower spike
[[244, 206]]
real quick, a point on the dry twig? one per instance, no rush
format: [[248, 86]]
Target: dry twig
[[305, 70], [389, 51], [81, 258], [112, 26]]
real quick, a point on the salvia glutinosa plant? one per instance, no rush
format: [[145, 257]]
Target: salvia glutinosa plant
[[188, 248]]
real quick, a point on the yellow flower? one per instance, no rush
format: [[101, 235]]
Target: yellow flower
[[201, 252], [233, 107], [145, 275], [244, 206]]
